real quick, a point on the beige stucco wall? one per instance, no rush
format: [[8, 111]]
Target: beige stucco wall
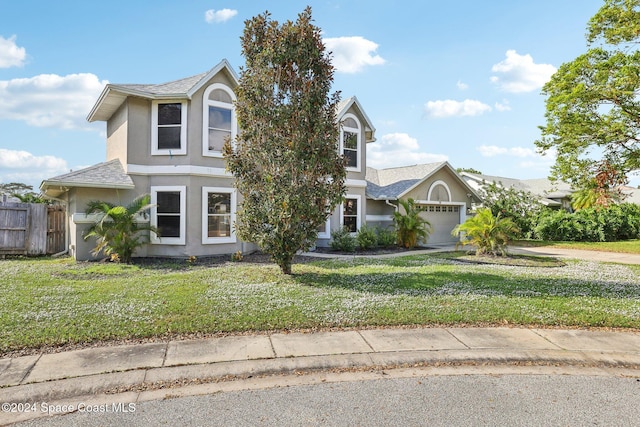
[[117, 135], [139, 132], [78, 198], [458, 191]]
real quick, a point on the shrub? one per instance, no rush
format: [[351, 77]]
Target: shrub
[[367, 237], [521, 206], [616, 222], [411, 227], [342, 240], [488, 233], [117, 230], [386, 237]]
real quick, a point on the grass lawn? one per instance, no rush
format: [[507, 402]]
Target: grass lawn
[[626, 246], [49, 302]]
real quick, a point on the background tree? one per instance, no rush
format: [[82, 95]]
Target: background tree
[[592, 102], [117, 230], [285, 161]]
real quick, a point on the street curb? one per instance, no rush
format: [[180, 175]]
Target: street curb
[[154, 378]]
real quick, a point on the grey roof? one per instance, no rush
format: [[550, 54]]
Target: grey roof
[[114, 95], [548, 191], [103, 175], [168, 88], [392, 183], [385, 177]]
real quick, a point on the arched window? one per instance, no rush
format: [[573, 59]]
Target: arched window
[[350, 141], [439, 192], [218, 119]]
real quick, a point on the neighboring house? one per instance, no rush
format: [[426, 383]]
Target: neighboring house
[[438, 190], [166, 140], [553, 195]]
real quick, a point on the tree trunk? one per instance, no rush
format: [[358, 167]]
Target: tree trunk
[[285, 265]]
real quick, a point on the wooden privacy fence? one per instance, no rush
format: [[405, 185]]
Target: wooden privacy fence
[[31, 229]]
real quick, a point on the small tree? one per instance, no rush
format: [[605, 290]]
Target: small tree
[[117, 230], [410, 226], [522, 207], [285, 161], [488, 233]]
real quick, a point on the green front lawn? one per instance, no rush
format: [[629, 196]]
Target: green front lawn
[[626, 246], [58, 301]]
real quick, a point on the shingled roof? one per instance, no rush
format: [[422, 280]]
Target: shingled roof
[[548, 192], [114, 95], [392, 183], [103, 175]]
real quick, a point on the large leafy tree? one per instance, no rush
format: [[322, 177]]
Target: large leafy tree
[[593, 109], [285, 160]]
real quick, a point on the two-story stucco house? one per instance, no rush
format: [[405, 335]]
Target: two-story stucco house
[[166, 140]]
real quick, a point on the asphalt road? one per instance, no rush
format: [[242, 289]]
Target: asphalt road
[[460, 400]]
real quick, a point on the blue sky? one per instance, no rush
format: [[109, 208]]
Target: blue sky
[[457, 81]]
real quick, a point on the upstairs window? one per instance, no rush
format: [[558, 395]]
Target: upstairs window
[[350, 142], [219, 119], [168, 128]]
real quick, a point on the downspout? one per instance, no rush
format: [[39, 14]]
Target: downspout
[[395, 207]]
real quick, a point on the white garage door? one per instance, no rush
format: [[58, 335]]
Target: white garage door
[[443, 219]]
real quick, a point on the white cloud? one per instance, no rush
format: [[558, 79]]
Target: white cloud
[[22, 166], [494, 150], [462, 86], [351, 54], [503, 106], [10, 54], [518, 73], [531, 159], [49, 100], [218, 16], [398, 149], [450, 108]]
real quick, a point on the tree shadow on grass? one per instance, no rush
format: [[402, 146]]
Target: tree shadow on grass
[[460, 281]]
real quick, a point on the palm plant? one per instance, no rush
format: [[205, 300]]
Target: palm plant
[[410, 226], [488, 233], [117, 230], [583, 199]]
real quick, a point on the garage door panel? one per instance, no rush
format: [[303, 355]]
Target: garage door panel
[[443, 220]]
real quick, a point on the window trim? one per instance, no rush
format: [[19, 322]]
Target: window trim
[[326, 234], [358, 167], [206, 102], [155, 151], [183, 214], [358, 211], [206, 240]]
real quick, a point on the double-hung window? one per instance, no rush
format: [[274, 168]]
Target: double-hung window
[[168, 128], [219, 119], [218, 215], [350, 142], [169, 214], [350, 215]]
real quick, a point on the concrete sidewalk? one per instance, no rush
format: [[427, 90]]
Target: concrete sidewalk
[[132, 373], [616, 257]]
